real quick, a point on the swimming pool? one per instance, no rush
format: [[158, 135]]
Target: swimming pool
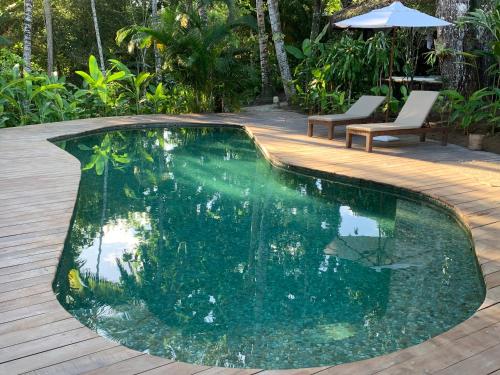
[[186, 243]]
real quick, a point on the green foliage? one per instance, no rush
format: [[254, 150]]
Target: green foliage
[[27, 99], [37, 98], [99, 86], [468, 112], [393, 104], [106, 152], [330, 75], [489, 23], [207, 57]]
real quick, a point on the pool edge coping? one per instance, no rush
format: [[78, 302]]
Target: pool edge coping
[[277, 162]]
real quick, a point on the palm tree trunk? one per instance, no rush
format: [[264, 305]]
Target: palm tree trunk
[[231, 8], [98, 37], [279, 45], [316, 18], [28, 25], [47, 10], [103, 217], [154, 15], [264, 53], [456, 71]]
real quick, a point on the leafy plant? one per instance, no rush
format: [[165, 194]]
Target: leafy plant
[[489, 22], [394, 104], [30, 98], [104, 153], [468, 112], [204, 56], [99, 85], [134, 86]]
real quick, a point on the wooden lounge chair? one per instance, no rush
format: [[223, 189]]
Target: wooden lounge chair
[[411, 120], [363, 109]]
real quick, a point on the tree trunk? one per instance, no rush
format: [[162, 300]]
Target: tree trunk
[[28, 24], [279, 46], [456, 72], [264, 53], [98, 37], [203, 13], [316, 18], [47, 10], [231, 10], [154, 16], [103, 216], [483, 43]]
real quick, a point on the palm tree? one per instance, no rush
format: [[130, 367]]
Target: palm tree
[[154, 16], [98, 37], [28, 25], [47, 10], [202, 55], [279, 45], [264, 53]]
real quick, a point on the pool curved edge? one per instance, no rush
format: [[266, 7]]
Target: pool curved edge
[[31, 223]]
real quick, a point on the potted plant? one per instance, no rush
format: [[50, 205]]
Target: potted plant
[[469, 113]]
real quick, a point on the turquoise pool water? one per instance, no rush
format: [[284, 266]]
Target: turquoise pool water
[[187, 244]]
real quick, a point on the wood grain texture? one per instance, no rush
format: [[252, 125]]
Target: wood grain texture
[[38, 190]]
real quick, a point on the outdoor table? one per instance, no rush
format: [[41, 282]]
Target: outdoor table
[[422, 80]]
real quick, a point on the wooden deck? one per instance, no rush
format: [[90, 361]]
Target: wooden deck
[[38, 188]]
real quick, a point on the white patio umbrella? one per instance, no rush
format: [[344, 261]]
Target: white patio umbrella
[[392, 17]]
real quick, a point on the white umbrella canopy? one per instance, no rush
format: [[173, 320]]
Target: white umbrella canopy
[[392, 16]]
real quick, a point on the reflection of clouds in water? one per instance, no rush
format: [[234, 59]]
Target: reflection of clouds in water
[[167, 145], [119, 238], [354, 225]]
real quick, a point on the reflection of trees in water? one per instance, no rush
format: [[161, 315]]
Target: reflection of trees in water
[[209, 229], [174, 262]]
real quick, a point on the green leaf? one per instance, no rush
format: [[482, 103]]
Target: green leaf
[[83, 147], [94, 71], [295, 52], [99, 166], [322, 34], [307, 47], [121, 66], [141, 78], [86, 77], [116, 76]]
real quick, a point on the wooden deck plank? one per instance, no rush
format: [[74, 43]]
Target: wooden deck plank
[[131, 366], [38, 332], [29, 348], [55, 356], [34, 321], [88, 362], [26, 301], [176, 368], [37, 200]]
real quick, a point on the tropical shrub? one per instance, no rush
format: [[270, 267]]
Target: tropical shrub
[[329, 76], [206, 57], [31, 98], [468, 112]]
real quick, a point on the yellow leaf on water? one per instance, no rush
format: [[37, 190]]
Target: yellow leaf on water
[[74, 280]]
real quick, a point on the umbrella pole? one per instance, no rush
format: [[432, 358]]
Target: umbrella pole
[[391, 67]]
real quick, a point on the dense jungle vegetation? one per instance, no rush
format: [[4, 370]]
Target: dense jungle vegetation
[[62, 60]]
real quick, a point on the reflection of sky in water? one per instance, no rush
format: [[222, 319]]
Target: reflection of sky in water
[[119, 238], [257, 267], [354, 225]]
